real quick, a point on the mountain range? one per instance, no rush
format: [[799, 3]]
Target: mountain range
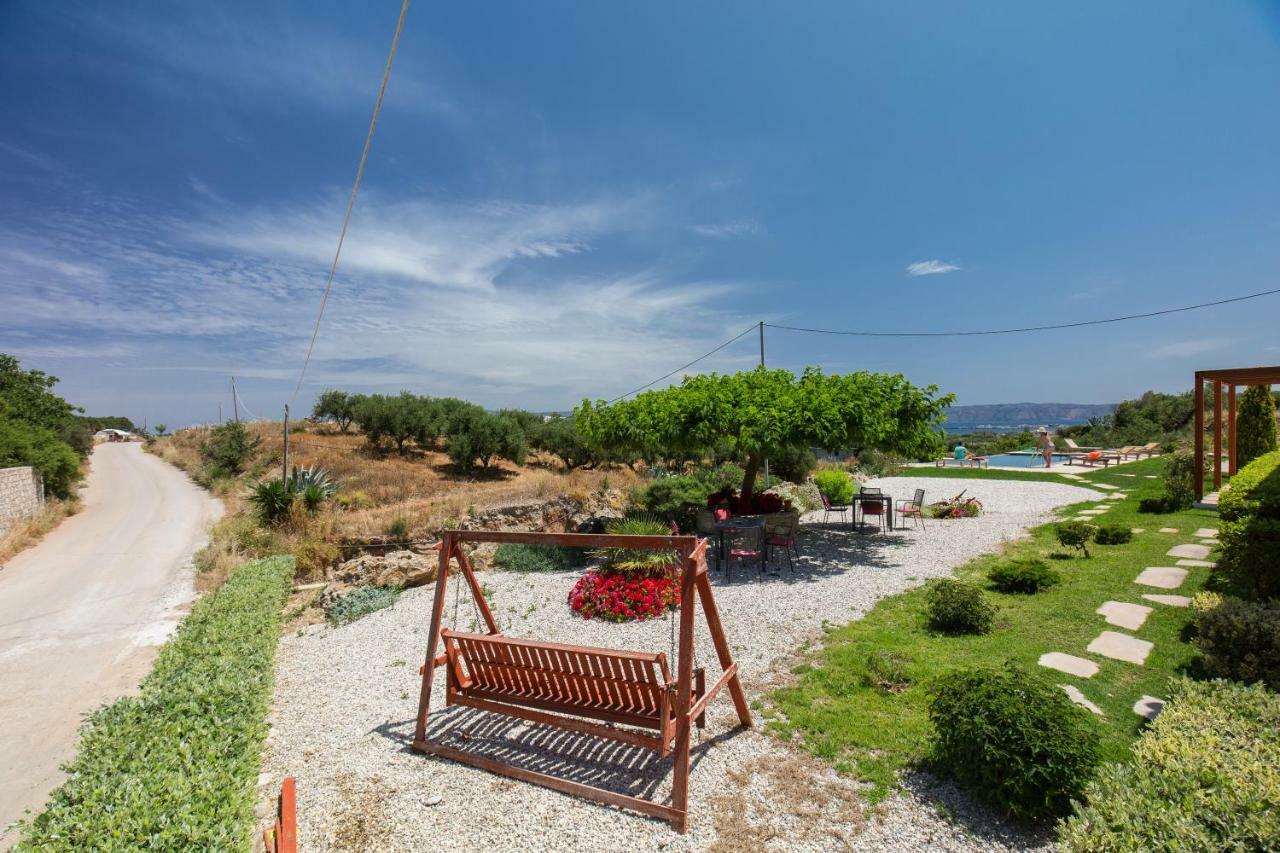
[[1028, 413]]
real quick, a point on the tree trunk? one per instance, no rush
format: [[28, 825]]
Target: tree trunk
[[749, 476]]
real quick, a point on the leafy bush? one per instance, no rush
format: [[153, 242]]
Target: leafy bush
[[227, 448], [26, 444], [360, 602], [835, 484], [538, 558], [1025, 576], [1013, 738], [338, 407], [1157, 506], [1203, 778], [674, 498], [272, 500], [312, 556], [1113, 534], [1075, 534], [176, 767], [1255, 490], [1250, 530], [1255, 424], [792, 463], [887, 671], [875, 463], [397, 528], [1180, 476], [478, 436], [1240, 640], [805, 496], [959, 608], [637, 562]]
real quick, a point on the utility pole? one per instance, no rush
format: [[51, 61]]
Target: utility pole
[[219, 411], [284, 469], [234, 402], [766, 461]]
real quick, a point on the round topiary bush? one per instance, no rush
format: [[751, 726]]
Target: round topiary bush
[[1024, 576], [1113, 534], [1013, 738], [1075, 534], [959, 608]]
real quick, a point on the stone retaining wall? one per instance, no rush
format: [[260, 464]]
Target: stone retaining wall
[[21, 495]]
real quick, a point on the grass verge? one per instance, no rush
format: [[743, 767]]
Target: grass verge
[[28, 531], [175, 767], [834, 710]]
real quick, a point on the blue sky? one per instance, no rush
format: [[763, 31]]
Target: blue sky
[[567, 200]]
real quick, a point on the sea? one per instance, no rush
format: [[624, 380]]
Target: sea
[[965, 427]]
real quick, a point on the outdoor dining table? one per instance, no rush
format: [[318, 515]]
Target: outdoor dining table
[[884, 498], [736, 523]]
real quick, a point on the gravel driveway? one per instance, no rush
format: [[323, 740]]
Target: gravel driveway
[[346, 699]]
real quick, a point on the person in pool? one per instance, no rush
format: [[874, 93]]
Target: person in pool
[[1046, 446]]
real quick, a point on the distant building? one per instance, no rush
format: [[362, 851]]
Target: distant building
[[110, 434]]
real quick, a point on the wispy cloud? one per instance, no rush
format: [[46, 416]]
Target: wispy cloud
[[934, 267], [1196, 346], [728, 230]]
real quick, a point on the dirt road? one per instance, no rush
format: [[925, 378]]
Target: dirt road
[[83, 612]]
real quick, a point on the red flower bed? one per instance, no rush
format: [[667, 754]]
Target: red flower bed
[[758, 503], [605, 594]]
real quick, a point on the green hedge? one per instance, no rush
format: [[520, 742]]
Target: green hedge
[[175, 767], [1250, 529], [1240, 640], [1254, 488], [1204, 777]]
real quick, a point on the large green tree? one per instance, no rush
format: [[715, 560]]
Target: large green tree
[[770, 411], [339, 407], [1255, 424]]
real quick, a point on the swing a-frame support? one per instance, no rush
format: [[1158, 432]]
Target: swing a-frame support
[[580, 688]]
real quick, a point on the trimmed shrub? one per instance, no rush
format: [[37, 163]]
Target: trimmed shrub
[[1250, 530], [887, 671], [674, 498], [1113, 534], [1255, 424], [1075, 534], [959, 608], [1240, 640], [1180, 475], [835, 484], [1013, 738], [176, 767], [1203, 778], [1156, 506], [360, 602], [538, 558], [1024, 576]]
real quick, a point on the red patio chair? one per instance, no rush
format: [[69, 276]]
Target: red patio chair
[[782, 534], [913, 508], [874, 507], [828, 508]]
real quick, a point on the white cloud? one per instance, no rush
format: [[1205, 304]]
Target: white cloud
[[728, 230], [934, 267], [1186, 348]]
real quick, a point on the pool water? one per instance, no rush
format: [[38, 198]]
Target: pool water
[[1024, 460]]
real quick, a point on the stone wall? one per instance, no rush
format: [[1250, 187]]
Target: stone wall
[[21, 495]]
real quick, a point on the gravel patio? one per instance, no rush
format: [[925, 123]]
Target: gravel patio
[[346, 698]]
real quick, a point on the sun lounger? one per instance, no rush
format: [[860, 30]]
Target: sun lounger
[[1073, 447], [1094, 458], [949, 461]]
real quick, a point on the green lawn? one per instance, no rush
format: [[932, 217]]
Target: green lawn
[[874, 734], [992, 474]]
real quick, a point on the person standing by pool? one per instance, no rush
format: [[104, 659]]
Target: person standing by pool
[[1046, 446]]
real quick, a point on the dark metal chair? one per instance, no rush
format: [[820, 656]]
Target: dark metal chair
[[743, 543], [781, 533], [913, 508]]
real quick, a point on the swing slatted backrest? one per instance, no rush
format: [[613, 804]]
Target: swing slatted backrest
[[605, 684]]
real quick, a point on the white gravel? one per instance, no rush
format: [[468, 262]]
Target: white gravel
[[346, 699]]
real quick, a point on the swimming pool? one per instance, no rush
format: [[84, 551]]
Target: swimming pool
[[1024, 460]]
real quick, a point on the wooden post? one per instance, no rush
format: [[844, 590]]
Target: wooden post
[[284, 464], [476, 593], [684, 689], [1217, 434], [1199, 437], [722, 648], [433, 637], [1231, 430]]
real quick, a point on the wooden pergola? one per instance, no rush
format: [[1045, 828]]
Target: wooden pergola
[[1225, 382]]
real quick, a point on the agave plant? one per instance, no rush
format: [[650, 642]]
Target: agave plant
[[302, 479], [272, 499], [637, 561]]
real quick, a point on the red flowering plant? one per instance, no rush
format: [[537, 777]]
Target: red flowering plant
[[757, 503], [629, 583], [957, 507]]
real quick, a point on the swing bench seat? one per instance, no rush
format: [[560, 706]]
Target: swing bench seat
[[553, 683]]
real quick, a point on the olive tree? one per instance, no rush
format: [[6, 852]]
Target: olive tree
[[336, 406], [762, 412]]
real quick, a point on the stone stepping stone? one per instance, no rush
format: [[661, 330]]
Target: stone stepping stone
[[1074, 694], [1168, 530], [1137, 530], [1207, 532], [1124, 615], [1125, 475], [1212, 543], [1117, 646], [1152, 476], [1070, 664], [1168, 600], [1197, 564], [1190, 551], [1162, 577], [1083, 518], [1088, 512], [1149, 707], [1106, 486]]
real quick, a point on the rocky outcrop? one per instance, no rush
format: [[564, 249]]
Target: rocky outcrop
[[401, 569]]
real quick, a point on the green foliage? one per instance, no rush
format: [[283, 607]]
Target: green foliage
[[398, 528], [272, 500], [477, 436], [1255, 424], [560, 436], [637, 562], [836, 485], [39, 428], [877, 463], [227, 449], [1152, 417], [1157, 506], [1250, 530], [1203, 777], [538, 558], [1024, 576], [675, 498], [26, 444], [27, 396], [383, 418], [959, 608], [335, 406], [1180, 476], [763, 412], [176, 767], [1255, 490], [360, 602], [161, 429], [313, 477], [1075, 534], [1240, 640], [1113, 534], [804, 496], [887, 671], [1013, 738], [793, 464]]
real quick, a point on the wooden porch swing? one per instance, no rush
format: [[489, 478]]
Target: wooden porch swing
[[580, 688]]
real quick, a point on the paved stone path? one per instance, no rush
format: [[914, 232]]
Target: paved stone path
[[1190, 550], [1070, 664], [1124, 615], [1168, 530], [1196, 564], [1206, 532], [1080, 699], [1149, 707], [1117, 646], [1106, 486], [1138, 530], [1162, 577], [1169, 600]]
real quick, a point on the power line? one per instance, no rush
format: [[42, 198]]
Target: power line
[[1026, 328], [355, 189], [743, 333]]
